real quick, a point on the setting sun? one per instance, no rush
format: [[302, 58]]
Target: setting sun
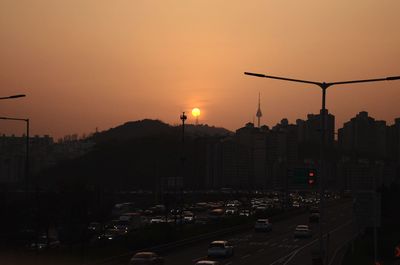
[[196, 112]]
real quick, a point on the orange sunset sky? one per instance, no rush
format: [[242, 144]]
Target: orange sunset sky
[[98, 63]]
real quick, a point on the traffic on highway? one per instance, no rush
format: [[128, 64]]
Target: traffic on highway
[[262, 240]]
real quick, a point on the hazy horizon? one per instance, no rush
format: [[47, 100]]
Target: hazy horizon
[[95, 63]]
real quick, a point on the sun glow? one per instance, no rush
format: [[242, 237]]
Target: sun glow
[[196, 112]]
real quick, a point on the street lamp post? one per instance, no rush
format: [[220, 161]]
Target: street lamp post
[[324, 86], [183, 118], [27, 148]]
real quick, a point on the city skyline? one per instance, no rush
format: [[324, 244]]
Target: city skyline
[[101, 64], [337, 126]]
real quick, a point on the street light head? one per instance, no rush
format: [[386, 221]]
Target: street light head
[[392, 78], [254, 74], [18, 96]]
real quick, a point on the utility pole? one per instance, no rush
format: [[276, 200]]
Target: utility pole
[[183, 118]]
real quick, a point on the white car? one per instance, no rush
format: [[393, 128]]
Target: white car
[[157, 220], [207, 262], [262, 225], [302, 231], [188, 217], [220, 248], [231, 211]]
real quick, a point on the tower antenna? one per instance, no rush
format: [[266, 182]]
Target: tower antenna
[[259, 113]]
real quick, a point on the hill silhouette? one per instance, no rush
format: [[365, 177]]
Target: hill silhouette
[[148, 127], [142, 154]]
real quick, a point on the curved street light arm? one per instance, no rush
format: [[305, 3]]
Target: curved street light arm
[[284, 78], [14, 96], [13, 119], [391, 78]]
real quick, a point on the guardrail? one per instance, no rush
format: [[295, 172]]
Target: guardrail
[[208, 236]]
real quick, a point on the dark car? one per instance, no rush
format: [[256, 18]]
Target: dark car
[[314, 218], [44, 242], [314, 215], [146, 258]]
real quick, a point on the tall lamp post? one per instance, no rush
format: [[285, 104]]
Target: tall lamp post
[[183, 118], [324, 86], [27, 148]]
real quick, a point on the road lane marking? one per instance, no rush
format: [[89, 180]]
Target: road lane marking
[[295, 240], [290, 258], [260, 250], [340, 248], [245, 256], [280, 260], [292, 254]]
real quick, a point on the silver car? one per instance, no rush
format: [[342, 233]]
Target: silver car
[[207, 262], [262, 225], [220, 248], [302, 231]]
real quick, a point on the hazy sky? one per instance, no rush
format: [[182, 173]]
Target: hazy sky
[[99, 63]]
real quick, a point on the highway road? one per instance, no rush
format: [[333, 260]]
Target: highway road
[[278, 247]]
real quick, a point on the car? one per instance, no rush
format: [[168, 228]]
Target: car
[[207, 262], [302, 231], [296, 204], [231, 211], [111, 234], [158, 220], [314, 218], [314, 215], [262, 225], [146, 258], [220, 248], [202, 220], [188, 217], [246, 213], [216, 214], [44, 242], [94, 227]]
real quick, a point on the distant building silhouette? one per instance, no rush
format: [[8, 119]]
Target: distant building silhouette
[[44, 152], [364, 135], [309, 130], [252, 158], [394, 142], [370, 153]]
